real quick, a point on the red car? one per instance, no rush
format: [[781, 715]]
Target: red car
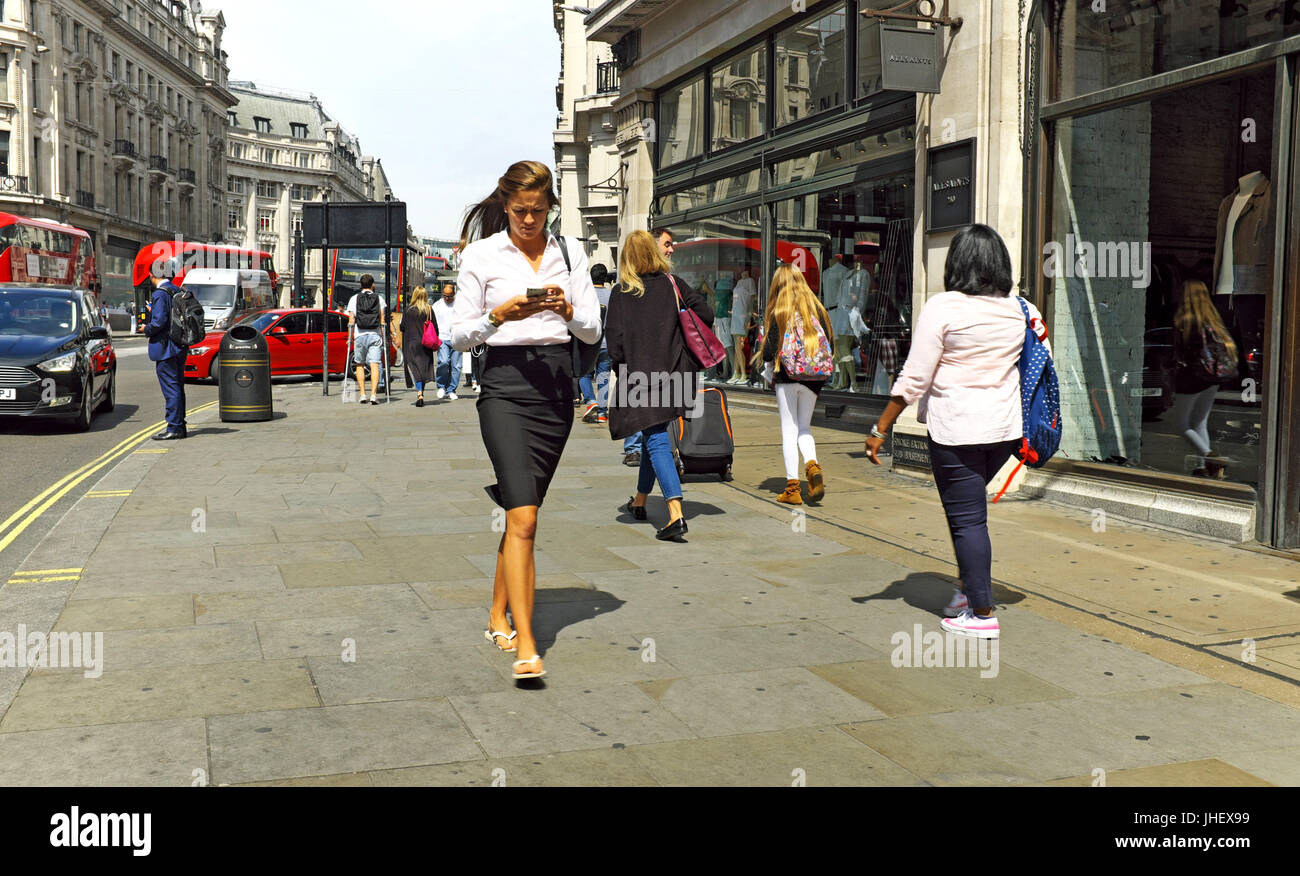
[[293, 340]]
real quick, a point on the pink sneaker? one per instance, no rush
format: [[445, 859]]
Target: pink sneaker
[[970, 624], [956, 605]]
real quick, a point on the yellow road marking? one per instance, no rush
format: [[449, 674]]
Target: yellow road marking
[[44, 580], [60, 488], [49, 572], [100, 494], [155, 450]]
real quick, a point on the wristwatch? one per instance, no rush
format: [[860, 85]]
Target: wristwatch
[[876, 433], [494, 319]]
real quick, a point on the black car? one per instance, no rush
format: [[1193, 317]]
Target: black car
[[56, 357]]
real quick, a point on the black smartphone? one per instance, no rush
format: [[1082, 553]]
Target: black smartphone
[[536, 293]]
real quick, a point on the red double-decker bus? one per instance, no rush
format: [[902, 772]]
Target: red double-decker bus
[[201, 255], [42, 252]]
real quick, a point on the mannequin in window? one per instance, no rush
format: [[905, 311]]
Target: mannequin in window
[[1243, 258], [853, 295]]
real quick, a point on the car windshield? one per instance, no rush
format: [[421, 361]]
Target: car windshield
[[259, 321], [212, 295], [37, 313]]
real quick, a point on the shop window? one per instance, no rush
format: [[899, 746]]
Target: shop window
[[854, 247], [841, 156], [681, 123], [1161, 226], [707, 194], [740, 98], [814, 54], [1127, 41]]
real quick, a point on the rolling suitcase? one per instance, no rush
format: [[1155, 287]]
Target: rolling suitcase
[[704, 444]]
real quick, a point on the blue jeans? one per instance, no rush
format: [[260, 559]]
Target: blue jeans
[[449, 365], [632, 443], [961, 473], [657, 463], [603, 366]]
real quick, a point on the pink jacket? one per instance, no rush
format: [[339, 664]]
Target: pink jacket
[[963, 367]]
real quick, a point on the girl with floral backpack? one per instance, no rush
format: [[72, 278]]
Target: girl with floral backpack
[[798, 357]]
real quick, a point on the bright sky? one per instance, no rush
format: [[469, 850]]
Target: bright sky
[[447, 94]]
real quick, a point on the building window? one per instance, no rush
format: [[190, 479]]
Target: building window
[[263, 125], [303, 193], [236, 150], [297, 223], [4, 153], [270, 156], [816, 52], [267, 189], [76, 36], [681, 125], [235, 185], [232, 119], [304, 159], [266, 221], [298, 130], [233, 220], [740, 98], [4, 76]]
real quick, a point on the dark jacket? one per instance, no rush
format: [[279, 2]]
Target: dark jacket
[[158, 329], [649, 357], [420, 360], [1189, 377]]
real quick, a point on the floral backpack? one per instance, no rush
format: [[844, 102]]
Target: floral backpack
[[794, 355]]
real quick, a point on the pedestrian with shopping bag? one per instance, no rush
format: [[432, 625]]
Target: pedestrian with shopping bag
[[419, 357], [656, 372]]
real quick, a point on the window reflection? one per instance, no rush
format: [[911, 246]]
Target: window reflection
[[810, 59], [681, 123], [740, 99]]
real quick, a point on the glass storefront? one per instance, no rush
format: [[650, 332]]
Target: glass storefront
[[1159, 219]]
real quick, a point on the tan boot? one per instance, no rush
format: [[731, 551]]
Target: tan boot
[[816, 486], [791, 496]]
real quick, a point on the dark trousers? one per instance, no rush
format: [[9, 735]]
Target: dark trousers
[[171, 379], [961, 473]]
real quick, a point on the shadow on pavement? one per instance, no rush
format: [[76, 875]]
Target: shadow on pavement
[[930, 592], [559, 607]]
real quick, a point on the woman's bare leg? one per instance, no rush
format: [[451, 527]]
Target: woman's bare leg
[[516, 557], [500, 599]]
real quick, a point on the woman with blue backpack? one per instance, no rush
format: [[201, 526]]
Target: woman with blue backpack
[[798, 356], [969, 349]]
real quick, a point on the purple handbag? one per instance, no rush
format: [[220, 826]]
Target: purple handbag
[[700, 339]]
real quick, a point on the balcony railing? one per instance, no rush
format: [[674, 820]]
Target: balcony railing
[[86, 199], [13, 185], [606, 77], [186, 175], [124, 147], [158, 162]]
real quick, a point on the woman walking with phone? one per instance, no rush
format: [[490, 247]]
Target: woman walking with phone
[[655, 372], [419, 358], [517, 297]]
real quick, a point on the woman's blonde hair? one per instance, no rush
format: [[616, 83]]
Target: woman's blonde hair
[[790, 294], [420, 301], [1196, 311], [640, 258]]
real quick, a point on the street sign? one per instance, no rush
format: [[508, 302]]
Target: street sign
[[910, 58], [354, 224]]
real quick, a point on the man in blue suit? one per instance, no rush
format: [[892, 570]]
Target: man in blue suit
[[167, 355]]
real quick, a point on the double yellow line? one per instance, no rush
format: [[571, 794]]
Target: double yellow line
[[31, 512]]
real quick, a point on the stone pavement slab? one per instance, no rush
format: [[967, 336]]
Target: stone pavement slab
[[325, 628]]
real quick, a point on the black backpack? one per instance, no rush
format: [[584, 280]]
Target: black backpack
[[185, 326], [368, 312], [584, 354]]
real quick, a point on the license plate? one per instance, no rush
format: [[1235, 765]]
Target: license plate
[[8, 394], [1145, 392]]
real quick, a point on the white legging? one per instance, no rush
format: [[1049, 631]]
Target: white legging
[[795, 403], [1191, 413]]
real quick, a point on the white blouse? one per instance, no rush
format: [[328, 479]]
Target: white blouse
[[494, 270]]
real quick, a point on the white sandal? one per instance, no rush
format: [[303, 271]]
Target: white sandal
[[536, 658], [492, 637]]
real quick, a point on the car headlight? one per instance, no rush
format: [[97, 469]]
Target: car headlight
[[199, 351], [59, 363], [222, 323]]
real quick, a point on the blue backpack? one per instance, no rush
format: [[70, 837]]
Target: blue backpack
[[1040, 403]]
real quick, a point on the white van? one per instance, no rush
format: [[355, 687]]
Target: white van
[[229, 293]]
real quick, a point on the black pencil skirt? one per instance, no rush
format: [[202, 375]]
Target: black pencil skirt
[[525, 413]]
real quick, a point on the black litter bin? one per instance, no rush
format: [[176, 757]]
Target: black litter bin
[[245, 376]]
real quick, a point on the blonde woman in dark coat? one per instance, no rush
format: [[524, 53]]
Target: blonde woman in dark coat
[[420, 362], [655, 373]]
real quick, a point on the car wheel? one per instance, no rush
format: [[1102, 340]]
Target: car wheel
[[86, 414], [110, 397], [215, 373]]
